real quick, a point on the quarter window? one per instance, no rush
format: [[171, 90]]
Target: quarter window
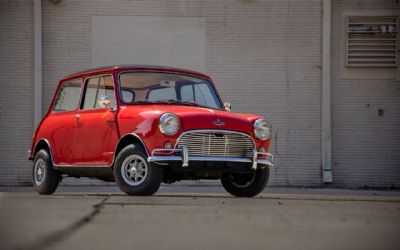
[[97, 91], [68, 96]]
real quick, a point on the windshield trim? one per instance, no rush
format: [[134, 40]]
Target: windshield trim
[[166, 72]]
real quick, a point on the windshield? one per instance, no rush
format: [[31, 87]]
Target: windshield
[[150, 87]]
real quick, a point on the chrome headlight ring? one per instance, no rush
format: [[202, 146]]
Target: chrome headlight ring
[[169, 124], [262, 129]]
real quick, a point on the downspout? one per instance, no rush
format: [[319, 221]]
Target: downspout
[[326, 93], [37, 27]]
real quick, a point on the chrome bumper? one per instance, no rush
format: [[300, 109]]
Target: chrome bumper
[[182, 154]]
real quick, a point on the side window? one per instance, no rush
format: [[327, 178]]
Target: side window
[[68, 96], [199, 93], [128, 96], [187, 93], [204, 96], [99, 93], [162, 94]]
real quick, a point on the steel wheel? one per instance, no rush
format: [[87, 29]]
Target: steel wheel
[[45, 178], [133, 174], [39, 172], [134, 170]]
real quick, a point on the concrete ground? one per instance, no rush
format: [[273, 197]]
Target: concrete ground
[[199, 217]]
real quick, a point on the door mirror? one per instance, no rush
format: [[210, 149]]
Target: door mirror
[[104, 101], [227, 106]]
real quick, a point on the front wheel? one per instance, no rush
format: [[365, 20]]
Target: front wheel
[[45, 178], [133, 174], [245, 184]]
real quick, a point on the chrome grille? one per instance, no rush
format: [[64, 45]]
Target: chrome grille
[[217, 143]]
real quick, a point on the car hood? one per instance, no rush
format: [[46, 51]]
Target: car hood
[[203, 118]]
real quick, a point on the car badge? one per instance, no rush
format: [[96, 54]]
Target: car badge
[[218, 122]]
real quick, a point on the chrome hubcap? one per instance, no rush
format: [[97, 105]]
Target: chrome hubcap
[[39, 171], [134, 170]]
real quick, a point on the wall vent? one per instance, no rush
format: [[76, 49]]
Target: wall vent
[[372, 41]]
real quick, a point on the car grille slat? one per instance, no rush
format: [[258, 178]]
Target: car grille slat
[[217, 143]]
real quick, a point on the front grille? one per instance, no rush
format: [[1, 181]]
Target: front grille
[[217, 143]]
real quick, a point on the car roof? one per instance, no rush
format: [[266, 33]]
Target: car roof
[[135, 67]]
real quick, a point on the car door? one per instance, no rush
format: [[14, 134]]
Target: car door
[[61, 121], [97, 129]]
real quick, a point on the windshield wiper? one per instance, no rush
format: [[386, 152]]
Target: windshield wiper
[[144, 102], [171, 101], [178, 102]]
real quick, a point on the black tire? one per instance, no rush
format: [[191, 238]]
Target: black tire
[[126, 179], [245, 184], [45, 178]]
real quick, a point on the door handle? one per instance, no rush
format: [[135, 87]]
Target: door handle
[[77, 116]]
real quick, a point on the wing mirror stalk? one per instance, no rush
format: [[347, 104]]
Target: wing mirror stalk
[[227, 106]]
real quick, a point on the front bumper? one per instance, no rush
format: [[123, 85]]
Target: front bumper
[[162, 155]]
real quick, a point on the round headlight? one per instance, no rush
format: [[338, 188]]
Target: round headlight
[[262, 129], [169, 124]]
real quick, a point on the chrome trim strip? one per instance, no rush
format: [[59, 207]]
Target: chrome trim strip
[[164, 158], [166, 151], [206, 158], [82, 166]]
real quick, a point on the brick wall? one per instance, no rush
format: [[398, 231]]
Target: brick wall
[[265, 58], [366, 146], [16, 90], [268, 51]]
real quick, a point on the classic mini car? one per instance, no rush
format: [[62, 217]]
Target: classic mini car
[[143, 125]]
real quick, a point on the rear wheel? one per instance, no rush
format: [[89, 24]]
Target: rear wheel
[[45, 178], [134, 175], [245, 184]]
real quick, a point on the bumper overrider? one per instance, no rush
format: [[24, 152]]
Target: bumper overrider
[[163, 155]]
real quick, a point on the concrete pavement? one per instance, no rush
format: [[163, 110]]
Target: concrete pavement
[[199, 217]]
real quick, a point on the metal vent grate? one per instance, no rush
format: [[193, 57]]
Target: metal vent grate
[[372, 41]]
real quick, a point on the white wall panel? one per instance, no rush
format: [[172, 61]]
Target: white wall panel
[[167, 41]]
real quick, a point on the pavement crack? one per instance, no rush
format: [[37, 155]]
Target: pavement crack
[[53, 238]]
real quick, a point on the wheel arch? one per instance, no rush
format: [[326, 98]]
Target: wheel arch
[[126, 140], [42, 144]]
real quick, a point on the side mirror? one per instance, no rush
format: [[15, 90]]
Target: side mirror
[[104, 101], [227, 106]]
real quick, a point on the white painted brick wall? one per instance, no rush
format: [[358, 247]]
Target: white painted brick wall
[[16, 88], [265, 57], [366, 147]]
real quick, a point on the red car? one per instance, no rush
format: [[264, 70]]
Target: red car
[[143, 125]]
